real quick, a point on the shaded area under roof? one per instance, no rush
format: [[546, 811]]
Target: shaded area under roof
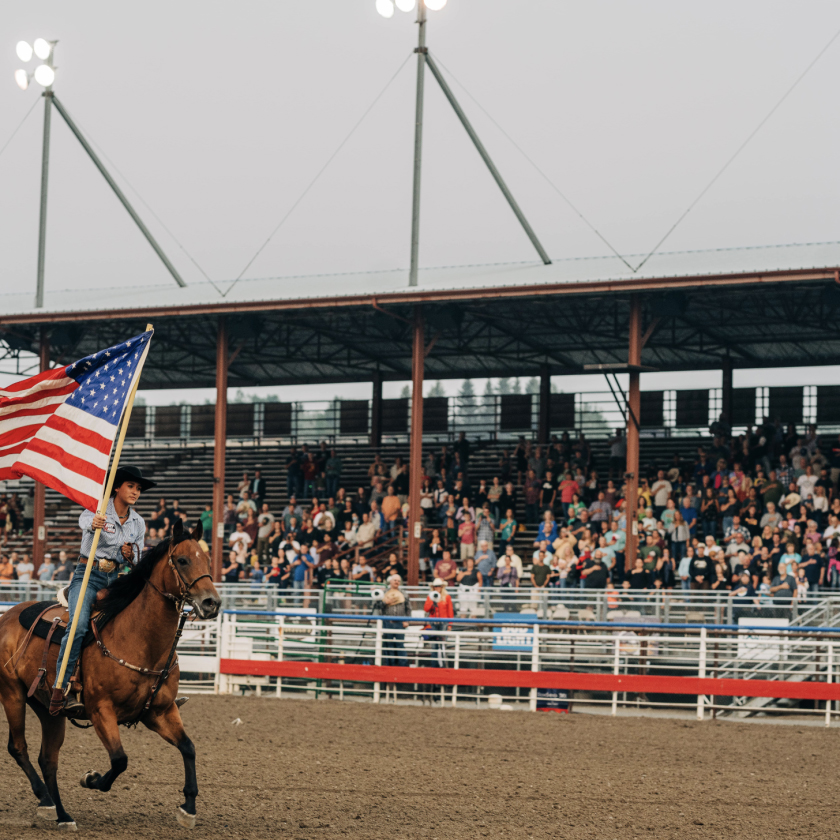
[[764, 306]]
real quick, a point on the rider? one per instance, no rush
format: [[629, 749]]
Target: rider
[[120, 542]]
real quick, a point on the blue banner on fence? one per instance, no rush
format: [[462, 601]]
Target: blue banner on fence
[[512, 639], [553, 700]]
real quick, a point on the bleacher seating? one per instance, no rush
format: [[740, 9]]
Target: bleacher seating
[[185, 472]]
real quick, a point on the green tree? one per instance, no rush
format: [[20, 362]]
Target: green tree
[[405, 393], [532, 386], [437, 390], [504, 385], [517, 386]]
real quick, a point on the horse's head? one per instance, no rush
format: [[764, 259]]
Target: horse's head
[[190, 577]]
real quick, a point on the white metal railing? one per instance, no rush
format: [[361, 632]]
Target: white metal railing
[[764, 654]]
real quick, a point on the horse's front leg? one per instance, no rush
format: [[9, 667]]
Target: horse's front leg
[[104, 720], [169, 726]]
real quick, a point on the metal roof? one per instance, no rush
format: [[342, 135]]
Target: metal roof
[[325, 288], [766, 306]]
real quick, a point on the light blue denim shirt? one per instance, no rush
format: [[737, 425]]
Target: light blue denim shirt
[[114, 535]]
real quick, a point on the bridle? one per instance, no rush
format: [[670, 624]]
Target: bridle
[[184, 587]]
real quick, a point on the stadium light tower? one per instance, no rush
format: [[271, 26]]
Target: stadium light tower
[[386, 9], [44, 75]]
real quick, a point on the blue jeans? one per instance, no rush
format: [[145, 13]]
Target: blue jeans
[[98, 580], [393, 649]]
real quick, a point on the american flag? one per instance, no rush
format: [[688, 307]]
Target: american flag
[[58, 427]]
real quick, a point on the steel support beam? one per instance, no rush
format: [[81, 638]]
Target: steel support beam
[[222, 362], [634, 358], [376, 411], [726, 389], [415, 464], [544, 425], [39, 523]]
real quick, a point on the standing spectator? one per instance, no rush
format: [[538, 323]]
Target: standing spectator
[[446, 568], [689, 515], [783, 587], [507, 530], [700, 572], [486, 561], [257, 488], [240, 542], [244, 485], [599, 510], [594, 574], [230, 573], [265, 527], [47, 569], [532, 497], [466, 537], [294, 477], [390, 509], [661, 490], [618, 454], [486, 528], [64, 570], [29, 510], [507, 575], [245, 506], [332, 472], [394, 603], [206, 518], [540, 572]]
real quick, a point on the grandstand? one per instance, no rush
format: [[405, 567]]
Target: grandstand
[[529, 319]]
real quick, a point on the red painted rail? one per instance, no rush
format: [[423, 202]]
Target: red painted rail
[[650, 684]]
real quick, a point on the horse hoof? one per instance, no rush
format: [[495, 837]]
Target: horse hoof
[[67, 826], [89, 779], [185, 820], [47, 812]]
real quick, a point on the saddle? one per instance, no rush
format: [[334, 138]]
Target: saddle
[[48, 620]]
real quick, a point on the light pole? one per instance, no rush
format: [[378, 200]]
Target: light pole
[[386, 9], [44, 74]]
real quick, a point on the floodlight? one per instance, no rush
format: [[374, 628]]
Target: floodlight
[[405, 5], [435, 5], [22, 79], [385, 8], [42, 48], [44, 75], [23, 50]]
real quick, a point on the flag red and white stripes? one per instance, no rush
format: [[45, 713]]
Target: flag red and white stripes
[[58, 427]]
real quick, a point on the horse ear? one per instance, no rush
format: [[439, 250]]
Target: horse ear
[[177, 529], [197, 532]]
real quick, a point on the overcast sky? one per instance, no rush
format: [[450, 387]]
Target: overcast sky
[[220, 114]]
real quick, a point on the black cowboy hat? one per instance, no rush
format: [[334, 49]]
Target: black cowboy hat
[[132, 473]]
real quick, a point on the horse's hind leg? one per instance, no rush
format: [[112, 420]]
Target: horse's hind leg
[[104, 721], [14, 703], [169, 726], [52, 737]]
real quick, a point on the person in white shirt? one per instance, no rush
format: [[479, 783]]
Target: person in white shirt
[[543, 546], [515, 560], [240, 542], [661, 490], [25, 569], [806, 483]]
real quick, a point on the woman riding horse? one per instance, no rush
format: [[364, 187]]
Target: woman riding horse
[[121, 542]]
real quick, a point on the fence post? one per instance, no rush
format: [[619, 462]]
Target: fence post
[[377, 656], [281, 628], [616, 665], [222, 680], [829, 678], [457, 665], [701, 671], [535, 664]]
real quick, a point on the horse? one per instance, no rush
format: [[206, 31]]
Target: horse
[[127, 676]]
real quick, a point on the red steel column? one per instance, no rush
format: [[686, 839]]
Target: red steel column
[[415, 465], [634, 357], [218, 546], [39, 527]]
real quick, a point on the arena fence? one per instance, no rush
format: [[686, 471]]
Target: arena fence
[[732, 670]]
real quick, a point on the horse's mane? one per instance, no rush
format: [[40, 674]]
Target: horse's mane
[[128, 586]]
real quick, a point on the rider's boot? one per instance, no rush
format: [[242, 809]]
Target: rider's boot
[[68, 705]]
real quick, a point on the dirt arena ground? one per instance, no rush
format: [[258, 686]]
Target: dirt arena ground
[[304, 769]]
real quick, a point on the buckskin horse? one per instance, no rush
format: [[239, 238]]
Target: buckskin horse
[[128, 674]]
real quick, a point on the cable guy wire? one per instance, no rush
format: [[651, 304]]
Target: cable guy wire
[[146, 205], [534, 165], [740, 149], [320, 172], [20, 125]]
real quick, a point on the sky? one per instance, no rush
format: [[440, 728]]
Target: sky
[[217, 116]]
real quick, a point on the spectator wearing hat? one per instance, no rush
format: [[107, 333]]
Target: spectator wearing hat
[[394, 603], [440, 606], [46, 569]]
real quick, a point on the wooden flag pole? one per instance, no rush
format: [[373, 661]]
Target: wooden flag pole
[[103, 506]]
